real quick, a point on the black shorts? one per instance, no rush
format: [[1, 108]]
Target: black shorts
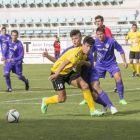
[[59, 82], [134, 55]]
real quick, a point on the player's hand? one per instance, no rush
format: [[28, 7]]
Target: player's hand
[[81, 62], [45, 54], [125, 64], [10, 60], [53, 77], [2, 59], [126, 42]]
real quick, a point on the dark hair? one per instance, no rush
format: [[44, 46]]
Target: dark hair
[[14, 31], [99, 17], [75, 32], [134, 25], [100, 29], [89, 40], [3, 28]]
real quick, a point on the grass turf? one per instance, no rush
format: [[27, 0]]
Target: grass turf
[[67, 121]]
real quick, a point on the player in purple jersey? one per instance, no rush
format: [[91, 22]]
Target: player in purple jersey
[[14, 55], [4, 37], [89, 73], [106, 60]]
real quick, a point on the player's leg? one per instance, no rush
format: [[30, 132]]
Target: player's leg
[[80, 83], [61, 97], [8, 68], [120, 87], [93, 73], [18, 69], [131, 57], [137, 63], [114, 71], [59, 86], [102, 98], [4, 63]]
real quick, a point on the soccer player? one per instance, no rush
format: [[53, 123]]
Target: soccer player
[[4, 37], [62, 72], [100, 23], [134, 37], [106, 60], [14, 55], [89, 74]]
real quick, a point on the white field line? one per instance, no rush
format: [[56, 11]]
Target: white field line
[[48, 97]]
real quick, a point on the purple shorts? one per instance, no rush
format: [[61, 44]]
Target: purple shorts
[[16, 68], [92, 76], [112, 69]]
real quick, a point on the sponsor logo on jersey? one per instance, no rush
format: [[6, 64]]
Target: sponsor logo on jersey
[[107, 46], [15, 47]]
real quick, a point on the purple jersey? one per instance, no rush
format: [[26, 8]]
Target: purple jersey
[[5, 38], [105, 51], [14, 51]]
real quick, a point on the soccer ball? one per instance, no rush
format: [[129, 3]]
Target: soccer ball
[[12, 115]]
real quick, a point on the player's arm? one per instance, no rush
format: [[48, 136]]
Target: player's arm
[[127, 38], [62, 66], [51, 58], [124, 61], [5, 51], [120, 49]]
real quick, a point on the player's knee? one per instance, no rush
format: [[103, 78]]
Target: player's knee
[[19, 77], [84, 86], [7, 74], [118, 79]]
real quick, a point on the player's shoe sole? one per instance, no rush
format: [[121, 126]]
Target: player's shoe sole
[[96, 113], [27, 85], [123, 102], [44, 106], [83, 102]]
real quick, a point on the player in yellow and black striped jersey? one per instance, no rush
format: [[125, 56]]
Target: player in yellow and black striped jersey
[[62, 72], [134, 37]]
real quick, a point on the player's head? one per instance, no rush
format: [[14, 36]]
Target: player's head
[[99, 20], [88, 42], [76, 37], [14, 35], [3, 30], [57, 39], [100, 33], [134, 27]]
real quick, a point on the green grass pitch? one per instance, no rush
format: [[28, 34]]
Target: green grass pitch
[[67, 121]]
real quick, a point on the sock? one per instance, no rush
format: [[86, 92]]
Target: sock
[[132, 67], [51, 100], [100, 101], [105, 99], [138, 69], [4, 69], [120, 89], [23, 79], [7, 79], [89, 99]]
